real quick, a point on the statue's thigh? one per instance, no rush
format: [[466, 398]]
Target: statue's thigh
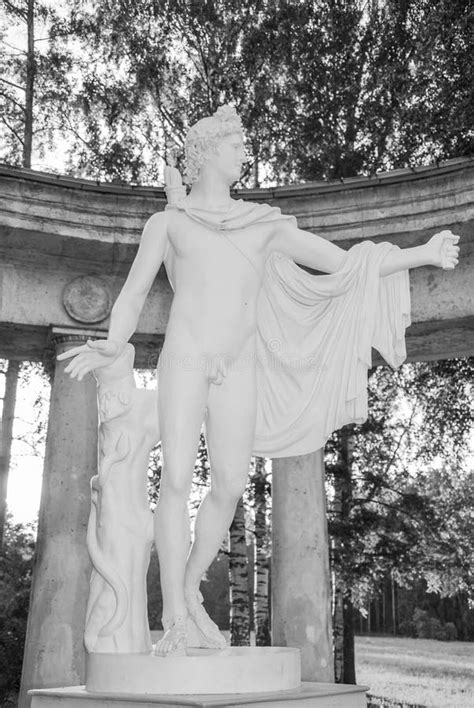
[[230, 422], [182, 396]]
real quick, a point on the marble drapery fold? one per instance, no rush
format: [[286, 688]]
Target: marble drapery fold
[[315, 335]]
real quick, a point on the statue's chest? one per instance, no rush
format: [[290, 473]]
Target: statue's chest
[[191, 239]]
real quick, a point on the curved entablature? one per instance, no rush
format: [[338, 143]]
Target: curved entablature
[[356, 207], [55, 228]]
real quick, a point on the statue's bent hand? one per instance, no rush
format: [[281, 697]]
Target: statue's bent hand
[[90, 356], [444, 251]]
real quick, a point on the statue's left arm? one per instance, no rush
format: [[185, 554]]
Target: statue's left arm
[[316, 252]]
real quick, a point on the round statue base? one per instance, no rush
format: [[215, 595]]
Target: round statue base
[[231, 670]]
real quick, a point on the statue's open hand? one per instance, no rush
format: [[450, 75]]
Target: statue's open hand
[[444, 252], [90, 356]]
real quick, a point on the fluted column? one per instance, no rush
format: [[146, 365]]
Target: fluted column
[[54, 650], [301, 610]]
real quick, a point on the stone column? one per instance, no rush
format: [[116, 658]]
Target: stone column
[[54, 650], [301, 598]]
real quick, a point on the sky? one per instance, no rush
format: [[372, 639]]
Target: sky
[[26, 468]]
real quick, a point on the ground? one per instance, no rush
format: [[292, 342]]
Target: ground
[[419, 671]]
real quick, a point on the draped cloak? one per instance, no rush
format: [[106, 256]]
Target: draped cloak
[[315, 334]]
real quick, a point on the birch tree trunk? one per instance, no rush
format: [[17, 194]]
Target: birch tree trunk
[[8, 415], [261, 589], [338, 630], [238, 581]]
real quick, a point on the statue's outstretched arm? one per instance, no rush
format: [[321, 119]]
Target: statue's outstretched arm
[[441, 250], [307, 249], [316, 252], [128, 306]]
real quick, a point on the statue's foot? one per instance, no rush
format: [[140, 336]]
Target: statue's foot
[[201, 630], [174, 640]]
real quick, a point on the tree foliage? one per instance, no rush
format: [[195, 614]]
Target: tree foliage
[[36, 73], [400, 487], [16, 566], [409, 481], [325, 89]]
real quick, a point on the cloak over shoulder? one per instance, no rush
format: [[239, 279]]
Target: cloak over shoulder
[[314, 336]]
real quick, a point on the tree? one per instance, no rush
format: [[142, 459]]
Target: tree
[[325, 89], [17, 92], [16, 566], [239, 580], [343, 633], [20, 436], [258, 498], [396, 508], [33, 85], [8, 416]]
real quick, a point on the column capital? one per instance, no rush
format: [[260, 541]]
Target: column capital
[[66, 335]]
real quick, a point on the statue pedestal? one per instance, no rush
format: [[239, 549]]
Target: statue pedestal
[[255, 677], [233, 670], [308, 695]]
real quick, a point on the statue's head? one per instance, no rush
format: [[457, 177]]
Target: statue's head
[[219, 136]]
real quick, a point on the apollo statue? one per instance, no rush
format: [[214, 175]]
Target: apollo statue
[[270, 358]]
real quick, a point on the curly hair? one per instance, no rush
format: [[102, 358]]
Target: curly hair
[[203, 136]]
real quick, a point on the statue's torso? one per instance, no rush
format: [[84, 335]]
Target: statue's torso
[[216, 277]]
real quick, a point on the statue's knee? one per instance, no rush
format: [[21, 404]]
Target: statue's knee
[[230, 487], [175, 485]]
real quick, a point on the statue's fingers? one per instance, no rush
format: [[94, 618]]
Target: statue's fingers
[[77, 366], [74, 363], [83, 371], [72, 352], [451, 252]]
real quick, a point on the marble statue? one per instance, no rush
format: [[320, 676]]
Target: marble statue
[[269, 357]]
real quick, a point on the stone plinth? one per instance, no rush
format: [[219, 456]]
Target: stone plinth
[[203, 671], [308, 695]]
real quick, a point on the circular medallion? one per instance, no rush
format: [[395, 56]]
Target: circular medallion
[[87, 299]]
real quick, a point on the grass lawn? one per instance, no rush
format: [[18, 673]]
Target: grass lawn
[[418, 671]]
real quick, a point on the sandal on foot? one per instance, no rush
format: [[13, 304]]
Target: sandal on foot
[[203, 632], [174, 640]]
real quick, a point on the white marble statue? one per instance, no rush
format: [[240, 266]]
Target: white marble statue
[[270, 358]]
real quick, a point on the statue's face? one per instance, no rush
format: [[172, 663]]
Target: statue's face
[[229, 157]]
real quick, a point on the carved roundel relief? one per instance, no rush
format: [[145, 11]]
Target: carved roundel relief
[[87, 299]]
